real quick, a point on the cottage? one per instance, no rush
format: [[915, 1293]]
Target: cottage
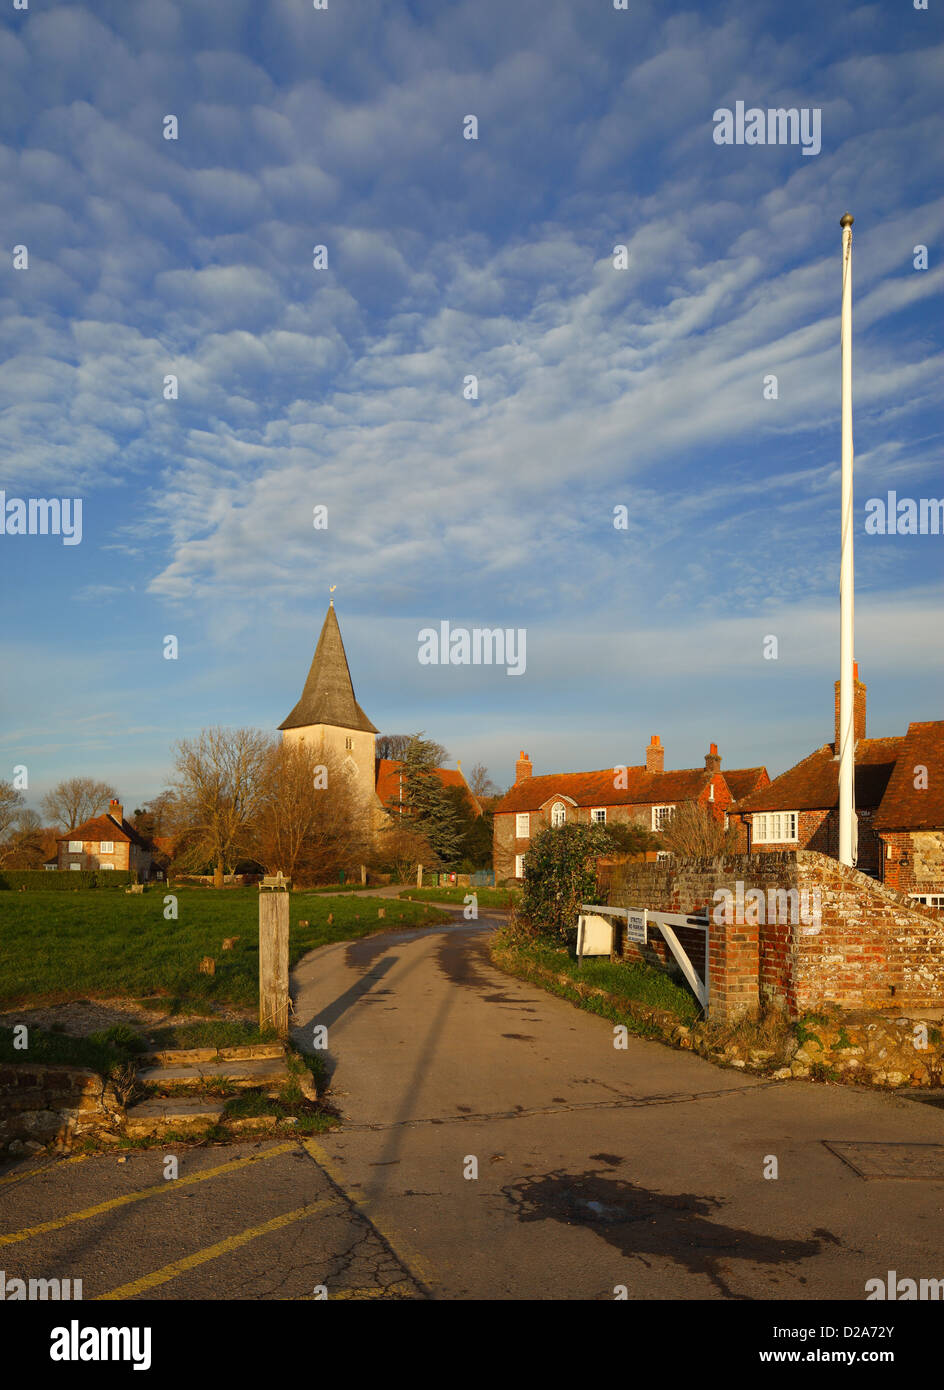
[[645, 795], [105, 842]]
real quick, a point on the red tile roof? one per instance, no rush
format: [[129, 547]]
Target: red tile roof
[[597, 788], [104, 828], [905, 806], [387, 781], [813, 784], [742, 780]]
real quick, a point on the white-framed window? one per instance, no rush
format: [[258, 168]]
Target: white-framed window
[[75, 846], [522, 826], [775, 827], [75, 866], [519, 866], [662, 854], [558, 814], [711, 792], [928, 899], [598, 815], [727, 820], [661, 815], [106, 866], [107, 847]]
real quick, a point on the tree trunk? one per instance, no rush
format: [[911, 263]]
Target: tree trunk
[[218, 874]]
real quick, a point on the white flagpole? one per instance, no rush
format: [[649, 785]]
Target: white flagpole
[[846, 750]]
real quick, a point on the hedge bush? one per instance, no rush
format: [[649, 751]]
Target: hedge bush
[[65, 880]]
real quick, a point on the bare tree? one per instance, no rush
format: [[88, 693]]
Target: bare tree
[[480, 783], [76, 800], [692, 832], [394, 746], [27, 846], [11, 803], [400, 848], [220, 786], [310, 821]]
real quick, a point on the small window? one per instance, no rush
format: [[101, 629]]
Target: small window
[[519, 866], [106, 866], [598, 815], [558, 814], [661, 815], [75, 846], [107, 847], [928, 899], [522, 827], [77, 867], [348, 744], [663, 854], [775, 827]]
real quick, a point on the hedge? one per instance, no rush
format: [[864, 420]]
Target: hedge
[[65, 880]]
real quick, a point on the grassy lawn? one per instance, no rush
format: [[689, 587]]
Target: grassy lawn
[[487, 897], [103, 944], [625, 983]]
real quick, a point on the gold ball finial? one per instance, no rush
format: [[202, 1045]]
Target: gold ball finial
[[846, 220]]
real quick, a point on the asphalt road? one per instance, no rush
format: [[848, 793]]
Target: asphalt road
[[495, 1145]]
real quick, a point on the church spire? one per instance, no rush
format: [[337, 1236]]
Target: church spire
[[328, 696]]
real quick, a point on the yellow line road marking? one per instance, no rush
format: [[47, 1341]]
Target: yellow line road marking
[[413, 1263], [213, 1252], [161, 1189]]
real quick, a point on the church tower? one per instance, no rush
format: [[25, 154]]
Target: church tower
[[329, 718]]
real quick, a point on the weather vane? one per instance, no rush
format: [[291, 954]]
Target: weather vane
[[331, 591]]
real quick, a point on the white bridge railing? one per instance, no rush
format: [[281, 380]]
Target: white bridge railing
[[596, 937]]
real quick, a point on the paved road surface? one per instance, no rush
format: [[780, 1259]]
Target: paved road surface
[[596, 1167]]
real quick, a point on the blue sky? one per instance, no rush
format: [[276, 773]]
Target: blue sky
[[448, 257]]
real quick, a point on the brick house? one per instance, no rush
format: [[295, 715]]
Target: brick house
[[105, 842], [910, 819], [646, 795], [900, 835]]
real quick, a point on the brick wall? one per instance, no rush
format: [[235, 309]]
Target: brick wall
[[916, 861], [869, 949]]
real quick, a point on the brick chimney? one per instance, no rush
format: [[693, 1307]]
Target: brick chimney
[[522, 768], [116, 810], [713, 759], [655, 755], [858, 709]]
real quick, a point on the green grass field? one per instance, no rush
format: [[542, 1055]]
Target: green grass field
[[56, 947], [487, 897]]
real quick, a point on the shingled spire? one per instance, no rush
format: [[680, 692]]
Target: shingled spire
[[328, 696]]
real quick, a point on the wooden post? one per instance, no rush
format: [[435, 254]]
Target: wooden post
[[419, 875], [363, 873], [273, 959]]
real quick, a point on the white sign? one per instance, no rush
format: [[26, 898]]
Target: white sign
[[636, 927], [594, 936]]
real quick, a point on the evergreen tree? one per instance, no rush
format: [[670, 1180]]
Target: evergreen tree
[[427, 803]]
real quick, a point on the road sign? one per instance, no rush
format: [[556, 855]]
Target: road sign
[[636, 927]]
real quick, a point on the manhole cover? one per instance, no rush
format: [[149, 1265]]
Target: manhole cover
[[922, 1162]]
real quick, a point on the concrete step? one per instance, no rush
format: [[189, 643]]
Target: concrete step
[[154, 1116], [193, 1056], [260, 1071]]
